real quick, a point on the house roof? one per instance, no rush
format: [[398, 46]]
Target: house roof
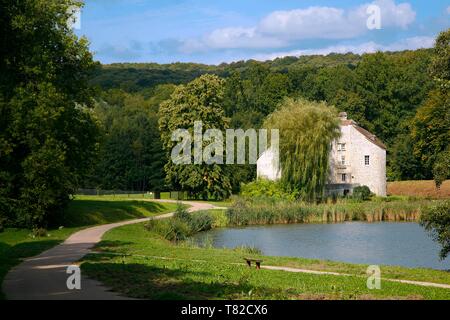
[[370, 136]]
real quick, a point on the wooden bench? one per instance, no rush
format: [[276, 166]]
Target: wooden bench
[[256, 261]]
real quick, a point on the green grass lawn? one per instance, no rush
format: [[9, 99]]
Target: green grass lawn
[[93, 210], [139, 263], [17, 244], [140, 197]]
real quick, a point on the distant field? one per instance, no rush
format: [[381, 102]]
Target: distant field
[[421, 188]]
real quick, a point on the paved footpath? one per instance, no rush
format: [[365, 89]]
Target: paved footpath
[[44, 276]]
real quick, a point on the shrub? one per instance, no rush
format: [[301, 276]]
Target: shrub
[[182, 225], [263, 188], [39, 232], [362, 193], [436, 220], [171, 229]]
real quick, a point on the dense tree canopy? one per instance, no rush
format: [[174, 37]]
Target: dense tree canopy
[[431, 124], [199, 100], [131, 155], [47, 134]]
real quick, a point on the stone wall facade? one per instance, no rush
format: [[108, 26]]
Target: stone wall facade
[[357, 158]]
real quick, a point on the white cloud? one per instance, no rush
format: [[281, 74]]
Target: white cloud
[[230, 38], [448, 10], [313, 22], [280, 28], [393, 15], [334, 23], [366, 47]]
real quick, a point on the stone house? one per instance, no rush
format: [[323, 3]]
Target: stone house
[[357, 158]]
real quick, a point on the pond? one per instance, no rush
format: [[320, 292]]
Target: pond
[[383, 243]]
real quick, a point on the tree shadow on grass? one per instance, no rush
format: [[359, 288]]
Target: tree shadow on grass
[[107, 247], [133, 279], [150, 282], [110, 244], [91, 212]]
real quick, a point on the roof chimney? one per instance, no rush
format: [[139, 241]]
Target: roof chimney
[[343, 115]]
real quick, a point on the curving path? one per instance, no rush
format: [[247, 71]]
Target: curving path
[[44, 276]]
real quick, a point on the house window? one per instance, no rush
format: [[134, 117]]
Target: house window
[[366, 160], [341, 146], [344, 177], [343, 160]]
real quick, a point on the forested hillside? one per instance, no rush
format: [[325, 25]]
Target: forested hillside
[[139, 76], [382, 92]]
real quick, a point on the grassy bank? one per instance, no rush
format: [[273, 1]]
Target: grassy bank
[[145, 196], [17, 244], [93, 210], [140, 263], [251, 212]]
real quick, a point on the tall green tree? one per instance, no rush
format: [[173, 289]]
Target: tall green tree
[[404, 163], [199, 100], [47, 133], [306, 132], [431, 125], [131, 153], [440, 64]]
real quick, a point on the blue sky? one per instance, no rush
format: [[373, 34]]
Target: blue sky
[[230, 30]]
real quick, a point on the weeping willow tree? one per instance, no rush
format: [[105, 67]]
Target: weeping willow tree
[[307, 130]]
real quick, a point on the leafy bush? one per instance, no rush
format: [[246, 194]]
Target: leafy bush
[[170, 229], [362, 193], [40, 232], [182, 225], [436, 220], [263, 188]]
